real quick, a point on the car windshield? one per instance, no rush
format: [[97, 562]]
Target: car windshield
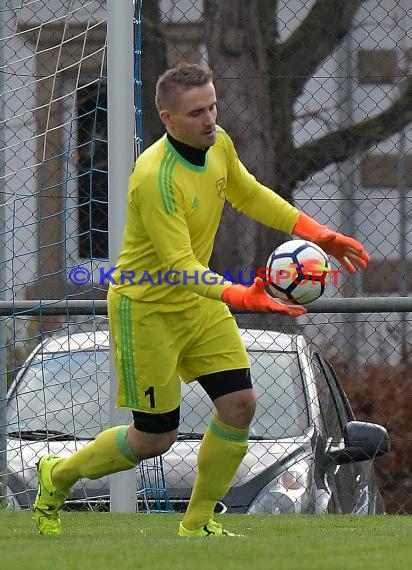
[[66, 393], [281, 403], [69, 393]]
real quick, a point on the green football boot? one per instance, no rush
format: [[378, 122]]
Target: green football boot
[[49, 500], [212, 528]]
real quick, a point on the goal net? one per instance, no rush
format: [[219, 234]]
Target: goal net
[[53, 237]]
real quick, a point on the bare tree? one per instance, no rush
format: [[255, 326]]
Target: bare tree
[[259, 78]]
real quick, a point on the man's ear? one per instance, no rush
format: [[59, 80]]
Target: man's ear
[[165, 117]]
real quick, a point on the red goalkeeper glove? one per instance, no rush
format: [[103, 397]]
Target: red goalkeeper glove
[[255, 298], [349, 252]]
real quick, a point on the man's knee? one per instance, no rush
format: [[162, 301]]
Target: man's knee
[[147, 445], [153, 434], [232, 393], [238, 408]]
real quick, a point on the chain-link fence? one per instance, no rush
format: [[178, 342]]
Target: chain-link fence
[[317, 97]]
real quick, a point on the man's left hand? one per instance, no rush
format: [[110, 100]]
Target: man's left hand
[[349, 252]]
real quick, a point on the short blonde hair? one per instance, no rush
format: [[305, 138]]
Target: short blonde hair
[[178, 79]]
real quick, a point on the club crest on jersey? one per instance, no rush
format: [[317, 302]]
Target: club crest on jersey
[[221, 187]]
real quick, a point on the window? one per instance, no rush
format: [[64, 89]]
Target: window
[[327, 404], [334, 404], [92, 172], [64, 392]]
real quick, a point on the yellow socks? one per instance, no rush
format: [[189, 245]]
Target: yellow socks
[[109, 453], [221, 452]]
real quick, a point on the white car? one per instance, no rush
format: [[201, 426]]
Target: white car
[[307, 453]]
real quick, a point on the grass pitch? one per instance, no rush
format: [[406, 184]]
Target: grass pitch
[[148, 541]]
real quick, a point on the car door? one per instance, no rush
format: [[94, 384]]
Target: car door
[[344, 482]]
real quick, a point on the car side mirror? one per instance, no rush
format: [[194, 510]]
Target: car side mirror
[[364, 441]]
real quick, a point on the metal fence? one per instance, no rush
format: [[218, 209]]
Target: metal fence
[[317, 99]]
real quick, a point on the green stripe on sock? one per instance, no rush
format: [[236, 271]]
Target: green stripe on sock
[[123, 445], [127, 352], [227, 432]]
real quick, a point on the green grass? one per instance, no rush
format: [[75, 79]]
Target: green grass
[[142, 542]]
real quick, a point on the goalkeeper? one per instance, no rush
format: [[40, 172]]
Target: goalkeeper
[[182, 327]]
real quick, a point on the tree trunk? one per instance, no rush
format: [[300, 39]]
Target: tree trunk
[[244, 109], [237, 39]]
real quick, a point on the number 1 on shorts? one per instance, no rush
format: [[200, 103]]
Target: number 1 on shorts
[[150, 392]]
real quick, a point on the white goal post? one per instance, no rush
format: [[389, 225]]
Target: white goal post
[[67, 146], [120, 80]]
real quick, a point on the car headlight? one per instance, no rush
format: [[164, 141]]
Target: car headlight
[[285, 493]]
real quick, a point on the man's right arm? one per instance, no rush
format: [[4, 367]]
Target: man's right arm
[[169, 234]]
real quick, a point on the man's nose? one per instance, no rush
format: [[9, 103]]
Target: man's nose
[[209, 118]]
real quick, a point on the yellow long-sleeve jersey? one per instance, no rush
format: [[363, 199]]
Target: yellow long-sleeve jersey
[[174, 210]]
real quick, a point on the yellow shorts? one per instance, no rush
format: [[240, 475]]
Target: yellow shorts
[[153, 350]]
